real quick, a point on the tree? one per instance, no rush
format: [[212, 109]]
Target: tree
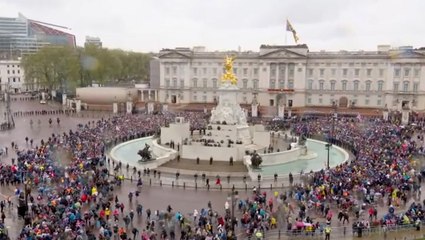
[[52, 67], [102, 65], [56, 67]]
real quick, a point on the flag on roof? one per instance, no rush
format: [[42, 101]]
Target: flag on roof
[[290, 28]]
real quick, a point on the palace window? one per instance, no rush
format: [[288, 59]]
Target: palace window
[[321, 84], [380, 85], [282, 69], [356, 72], [344, 85], [291, 84], [397, 72], [368, 84], [272, 83], [369, 72], [356, 86], [310, 84], [245, 83], [214, 81], [310, 72], [396, 84], [281, 83], [415, 87], [333, 82], [255, 84], [405, 86], [406, 72], [417, 72]]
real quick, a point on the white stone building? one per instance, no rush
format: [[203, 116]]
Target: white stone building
[[295, 77], [95, 41], [12, 76]]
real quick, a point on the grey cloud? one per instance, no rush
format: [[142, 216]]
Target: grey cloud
[[150, 25]]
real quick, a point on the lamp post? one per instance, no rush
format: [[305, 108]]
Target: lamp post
[[234, 196], [331, 135]]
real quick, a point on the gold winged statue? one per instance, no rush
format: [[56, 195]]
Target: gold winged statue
[[228, 74]]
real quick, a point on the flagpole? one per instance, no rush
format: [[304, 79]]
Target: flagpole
[[286, 37], [286, 32]]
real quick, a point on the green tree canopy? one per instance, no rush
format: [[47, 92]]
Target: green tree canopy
[[52, 67], [56, 67]]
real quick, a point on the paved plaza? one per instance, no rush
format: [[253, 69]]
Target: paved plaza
[[180, 193]]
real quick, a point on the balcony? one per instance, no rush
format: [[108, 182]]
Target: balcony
[[339, 91], [400, 92]]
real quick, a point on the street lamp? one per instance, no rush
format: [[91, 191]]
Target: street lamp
[[234, 196], [331, 134]]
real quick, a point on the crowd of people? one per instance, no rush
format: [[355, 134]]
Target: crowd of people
[[382, 170], [43, 112], [71, 193]]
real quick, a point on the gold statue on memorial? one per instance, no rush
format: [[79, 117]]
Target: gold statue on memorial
[[228, 74]]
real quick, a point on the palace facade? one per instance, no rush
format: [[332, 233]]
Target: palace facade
[[293, 76]]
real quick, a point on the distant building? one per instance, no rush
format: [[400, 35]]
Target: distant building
[[21, 36], [95, 41], [296, 77], [12, 77]]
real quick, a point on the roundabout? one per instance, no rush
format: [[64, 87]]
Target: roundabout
[[228, 139]]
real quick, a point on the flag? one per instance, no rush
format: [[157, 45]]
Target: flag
[[291, 29]]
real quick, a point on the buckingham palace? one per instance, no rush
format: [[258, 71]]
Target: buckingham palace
[[388, 78]]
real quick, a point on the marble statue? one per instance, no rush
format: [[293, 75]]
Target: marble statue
[[227, 109]]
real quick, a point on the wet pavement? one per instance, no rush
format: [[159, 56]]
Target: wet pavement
[[154, 197]]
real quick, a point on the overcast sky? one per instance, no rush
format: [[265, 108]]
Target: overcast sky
[[150, 25]]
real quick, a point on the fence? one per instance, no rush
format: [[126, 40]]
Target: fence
[[408, 231], [192, 179]]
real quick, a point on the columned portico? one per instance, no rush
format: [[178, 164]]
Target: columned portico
[[148, 95]]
